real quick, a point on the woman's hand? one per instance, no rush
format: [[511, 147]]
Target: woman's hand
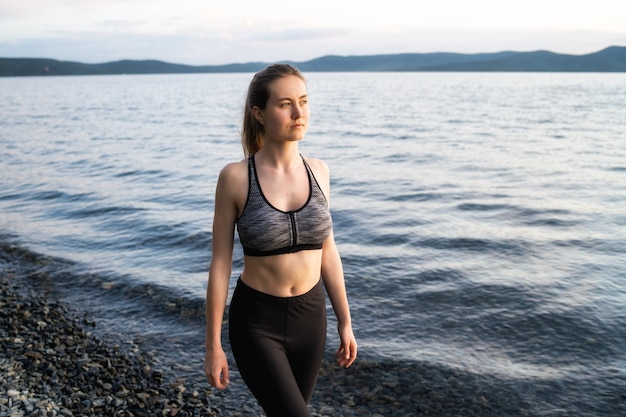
[[346, 354], [216, 368]]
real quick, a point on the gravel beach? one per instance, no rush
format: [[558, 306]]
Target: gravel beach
[[52, 365]]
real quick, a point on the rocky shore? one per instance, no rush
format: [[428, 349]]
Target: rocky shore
[[51, 364]]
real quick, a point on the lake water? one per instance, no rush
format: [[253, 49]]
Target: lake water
[[481, 217]]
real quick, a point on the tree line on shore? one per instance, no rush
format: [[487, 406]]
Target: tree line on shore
[[611, 59]]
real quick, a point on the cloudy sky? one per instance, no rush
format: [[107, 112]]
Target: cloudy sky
[[216, 32]]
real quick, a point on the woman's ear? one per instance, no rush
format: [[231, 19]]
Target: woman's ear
[[258, 114]]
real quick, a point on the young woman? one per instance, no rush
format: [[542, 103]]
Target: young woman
[[278, 200]]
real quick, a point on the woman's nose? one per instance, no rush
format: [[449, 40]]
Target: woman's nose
[[297, 111]]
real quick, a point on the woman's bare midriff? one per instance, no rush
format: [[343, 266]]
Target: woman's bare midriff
[[286, 275]]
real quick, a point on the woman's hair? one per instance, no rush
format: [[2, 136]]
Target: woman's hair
[[253, 132]]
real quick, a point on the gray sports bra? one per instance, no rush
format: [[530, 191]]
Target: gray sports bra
[[265, 230]]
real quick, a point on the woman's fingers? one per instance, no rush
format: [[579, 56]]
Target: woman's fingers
[[346, 354]]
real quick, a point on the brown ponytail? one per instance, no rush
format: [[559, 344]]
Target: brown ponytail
[[253, 132]]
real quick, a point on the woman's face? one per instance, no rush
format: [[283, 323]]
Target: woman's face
[[286, 115]]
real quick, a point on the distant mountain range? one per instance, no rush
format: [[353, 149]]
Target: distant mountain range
[[612, 59]]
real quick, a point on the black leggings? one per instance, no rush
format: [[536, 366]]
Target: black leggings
[[278, 345]]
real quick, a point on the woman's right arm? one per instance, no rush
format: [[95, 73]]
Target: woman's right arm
[[215, 362]]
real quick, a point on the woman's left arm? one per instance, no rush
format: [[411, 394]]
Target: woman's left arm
[[332, 275]]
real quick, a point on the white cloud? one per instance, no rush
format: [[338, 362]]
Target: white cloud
[[193, 32]]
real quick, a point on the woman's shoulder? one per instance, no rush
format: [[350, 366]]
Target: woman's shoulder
[[234, 171], [317, 165], [320, 172]]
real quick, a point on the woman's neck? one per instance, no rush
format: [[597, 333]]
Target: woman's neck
[[282, 157]]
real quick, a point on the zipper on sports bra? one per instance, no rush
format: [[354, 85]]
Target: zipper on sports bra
[[292, 218]]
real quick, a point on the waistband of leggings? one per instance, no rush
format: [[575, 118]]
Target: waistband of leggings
[[251, 292]]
